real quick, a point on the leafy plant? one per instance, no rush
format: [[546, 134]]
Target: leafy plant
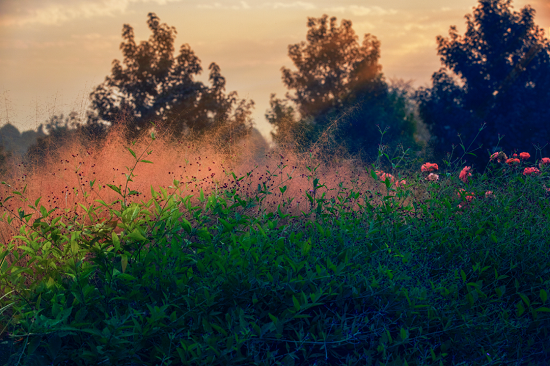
[[409, 271]]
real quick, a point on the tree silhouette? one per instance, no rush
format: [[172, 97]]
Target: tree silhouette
[[153, 85], [330, 65], [338, 80], [60, 130], [5, 156], [503, 64]]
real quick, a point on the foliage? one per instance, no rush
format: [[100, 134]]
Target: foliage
[[366, 109], [18, 142], [56, 133], [4, 158], [338, 80], [502, 64], [219, 280], [152, 85]]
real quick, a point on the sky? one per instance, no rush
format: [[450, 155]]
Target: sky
[[54, 52]]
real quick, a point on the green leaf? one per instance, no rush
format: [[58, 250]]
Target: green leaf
[[124, 262], [116, 241], [136, 235], [463, 275], [296, 303], [114, 188], [74, 246], [525, 299], [403, 334], [186, 226], [261, 230], [132, 152], [520, 307], [146, 161], [543, 296]]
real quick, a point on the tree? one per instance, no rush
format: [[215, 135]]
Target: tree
[[5, 156], [330, 66], [338, 78], [152, 85], [503, 64], [379, 106], [57, 131]]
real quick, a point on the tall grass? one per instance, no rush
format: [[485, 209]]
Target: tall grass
[[154, 253]]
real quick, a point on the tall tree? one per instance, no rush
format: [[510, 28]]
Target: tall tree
[[153, 85], [337, 79], [330, 65], [501, 78]]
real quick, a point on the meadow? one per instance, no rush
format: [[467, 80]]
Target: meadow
[[153, 253]]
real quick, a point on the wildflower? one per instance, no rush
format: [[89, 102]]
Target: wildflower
[[544, 161], [465, 173], [529, 171], [512, 161], [524, 155], [382, 176], [469, 197], [429, 167], [432, 177], [488, 193], [499, 156]]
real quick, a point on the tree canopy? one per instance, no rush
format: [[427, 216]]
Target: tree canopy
[[496, 75], [150, 84], [339, 80]]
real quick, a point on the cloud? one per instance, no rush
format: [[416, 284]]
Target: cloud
[[361, 10], [21, 13], [244, 5], [296, 4], [216, 5]]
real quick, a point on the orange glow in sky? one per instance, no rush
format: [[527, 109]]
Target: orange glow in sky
[[52, 53]]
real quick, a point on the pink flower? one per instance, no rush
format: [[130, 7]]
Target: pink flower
[[382, 176], [465, 173], [468, 197], [512, 161], [429, 167], [544, 161], [432, 177], [524, 156], [529, 171], [488, 193]]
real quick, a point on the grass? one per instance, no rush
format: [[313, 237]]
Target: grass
[[288, 260]]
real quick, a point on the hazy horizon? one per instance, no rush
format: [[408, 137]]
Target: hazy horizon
[[53, 53]]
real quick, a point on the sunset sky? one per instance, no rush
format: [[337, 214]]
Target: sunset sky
[[53, 52]]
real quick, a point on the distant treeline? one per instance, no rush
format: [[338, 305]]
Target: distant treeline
[[496, 75]]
